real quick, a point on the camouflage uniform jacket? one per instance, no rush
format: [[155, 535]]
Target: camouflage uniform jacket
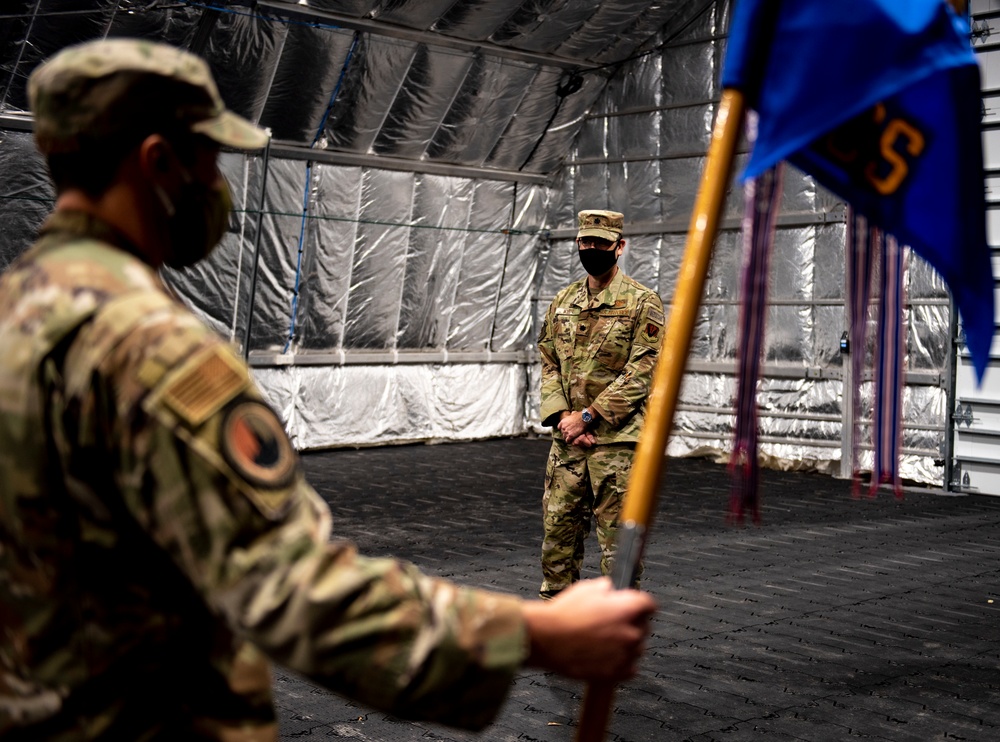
[[157, 537], [600, 352]]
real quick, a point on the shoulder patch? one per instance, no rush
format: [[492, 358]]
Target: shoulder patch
[[206, 387], [254, 444], [655, 315]]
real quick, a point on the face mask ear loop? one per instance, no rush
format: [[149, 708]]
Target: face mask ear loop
[[168, 205]]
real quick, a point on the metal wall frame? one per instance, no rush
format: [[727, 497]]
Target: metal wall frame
[[973, 462]]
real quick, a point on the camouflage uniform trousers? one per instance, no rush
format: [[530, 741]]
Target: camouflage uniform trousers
[[581, 485]]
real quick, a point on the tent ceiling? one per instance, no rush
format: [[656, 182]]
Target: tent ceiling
[[494, 87]]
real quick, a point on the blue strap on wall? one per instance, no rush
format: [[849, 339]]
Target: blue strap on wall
[[305, 195]]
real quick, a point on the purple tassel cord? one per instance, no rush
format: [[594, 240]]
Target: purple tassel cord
[[762, 199]]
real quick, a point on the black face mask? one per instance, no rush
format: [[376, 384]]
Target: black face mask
[[598, 262], [198, 219]]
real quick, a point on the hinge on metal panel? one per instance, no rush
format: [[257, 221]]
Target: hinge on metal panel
[[963, 414], [980, 31]]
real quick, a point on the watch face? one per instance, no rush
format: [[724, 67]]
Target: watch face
[[587, 417]]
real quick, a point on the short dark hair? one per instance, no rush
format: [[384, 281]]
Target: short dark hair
[[94, 168]]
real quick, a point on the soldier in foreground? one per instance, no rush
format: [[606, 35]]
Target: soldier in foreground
[[158, 542], [598, 346]]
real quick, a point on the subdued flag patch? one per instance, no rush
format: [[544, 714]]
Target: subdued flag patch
[[203, 390]]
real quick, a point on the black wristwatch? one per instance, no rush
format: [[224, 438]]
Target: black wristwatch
[[587, 417]]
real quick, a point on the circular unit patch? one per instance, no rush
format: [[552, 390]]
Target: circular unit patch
[[255, 445]]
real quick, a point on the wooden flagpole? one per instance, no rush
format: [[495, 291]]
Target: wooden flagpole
[[640, 498]]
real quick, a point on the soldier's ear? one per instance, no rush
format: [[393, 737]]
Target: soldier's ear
[[155, 154]]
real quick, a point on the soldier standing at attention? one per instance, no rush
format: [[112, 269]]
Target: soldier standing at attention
[[598, 345], [157, 539]]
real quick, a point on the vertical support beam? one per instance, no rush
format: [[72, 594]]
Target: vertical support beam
[[206, 23], [847, 380], [256, 250]]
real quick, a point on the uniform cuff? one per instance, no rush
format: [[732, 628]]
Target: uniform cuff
[[552, 408], [605, 414], [501, 647]]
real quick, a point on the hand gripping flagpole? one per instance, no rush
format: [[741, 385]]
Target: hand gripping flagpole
[[640, 498]]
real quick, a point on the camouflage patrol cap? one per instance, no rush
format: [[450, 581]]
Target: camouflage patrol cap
[[607, 225], [114, 87]]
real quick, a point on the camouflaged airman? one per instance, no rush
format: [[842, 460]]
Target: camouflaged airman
[[599, 344], [157, 538]]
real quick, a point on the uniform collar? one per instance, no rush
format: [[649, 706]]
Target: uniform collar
[[605, 297], [73, 223]]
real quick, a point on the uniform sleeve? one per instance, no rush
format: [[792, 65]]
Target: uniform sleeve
[[553, 396], [207, 471], [629, 390]]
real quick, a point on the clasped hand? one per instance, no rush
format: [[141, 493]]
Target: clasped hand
[[574, 430]]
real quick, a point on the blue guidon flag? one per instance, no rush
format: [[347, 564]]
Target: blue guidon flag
[[878, 100]]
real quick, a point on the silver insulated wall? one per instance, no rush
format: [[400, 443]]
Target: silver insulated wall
[[392, 250]]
